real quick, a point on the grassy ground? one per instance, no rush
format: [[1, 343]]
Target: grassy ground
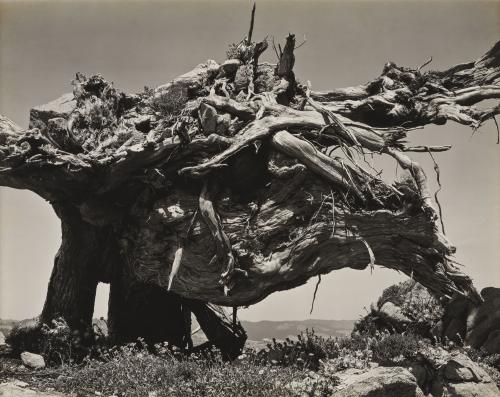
[[307, 366], [132, 372]]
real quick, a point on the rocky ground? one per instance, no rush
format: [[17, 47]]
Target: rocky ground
[[457, 376], [17, 388], [384, 357]]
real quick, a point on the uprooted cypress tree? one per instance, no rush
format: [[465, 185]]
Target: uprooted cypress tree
[[234, 181]]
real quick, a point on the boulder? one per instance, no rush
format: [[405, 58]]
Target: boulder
[[492, 344], [405, 307], [460, 368], [377, 382], [2, 339], [265, 79], [189, 83], [60, 107], [394, 315], [462, 377], [477, 325], [208, 118], [484, 321], [472, 389], [243, 76], [8, 134], [230, 66], [32, 360]]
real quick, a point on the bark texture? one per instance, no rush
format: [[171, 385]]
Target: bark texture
[[233, 181]]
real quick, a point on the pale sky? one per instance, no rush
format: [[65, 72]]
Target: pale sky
[[43, 44]]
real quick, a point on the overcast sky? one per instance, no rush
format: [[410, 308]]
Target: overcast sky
[[43, 44]]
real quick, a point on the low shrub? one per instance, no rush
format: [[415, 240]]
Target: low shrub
[[310, 350], [241, 52], [60, 345], [305, 352], [395, 348], [395, 293]]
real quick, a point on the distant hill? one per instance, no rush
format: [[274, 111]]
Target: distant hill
[[260, 330], [256, 330], [6, 326]]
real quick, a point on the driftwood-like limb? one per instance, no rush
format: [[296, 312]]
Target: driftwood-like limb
[[228, 105], [327, 167], [250, 30], [227, 335], [419, 176], [435, 96], [175, 266]]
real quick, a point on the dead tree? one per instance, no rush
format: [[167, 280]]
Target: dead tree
[[234, 181]]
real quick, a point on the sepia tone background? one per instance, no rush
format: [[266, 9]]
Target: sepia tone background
[[44, 43]]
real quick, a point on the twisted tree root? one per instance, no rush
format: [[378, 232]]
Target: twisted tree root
[[223, 245]]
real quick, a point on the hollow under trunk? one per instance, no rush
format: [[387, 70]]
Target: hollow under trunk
[[138, 310]]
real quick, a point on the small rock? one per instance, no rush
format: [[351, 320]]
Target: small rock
[[2, 339], [20, 383], [32, 360]]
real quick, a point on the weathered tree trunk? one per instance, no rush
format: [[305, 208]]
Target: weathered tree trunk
[[78, 266], [233, 181], [73, 283]]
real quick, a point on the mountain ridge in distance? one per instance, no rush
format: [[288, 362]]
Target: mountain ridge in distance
[[281, 329]]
